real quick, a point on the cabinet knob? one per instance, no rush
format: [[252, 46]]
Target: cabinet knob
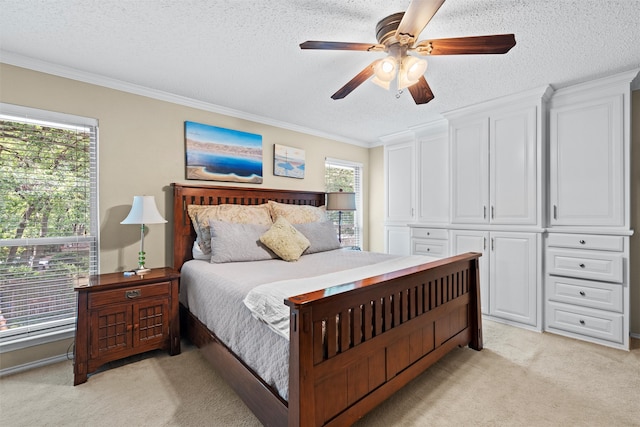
[[582, 293], [582, 242], [581, 322], [428, 233], [582, 265], [428, 249]]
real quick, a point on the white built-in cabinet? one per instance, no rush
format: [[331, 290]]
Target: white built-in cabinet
[[399, 159], [510, 272], [432, 173], [495, 167], [587, 256], [586, 160], [539, 183], [497, 188], [416, 162]]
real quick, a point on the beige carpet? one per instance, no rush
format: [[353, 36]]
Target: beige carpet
[[521, 378]]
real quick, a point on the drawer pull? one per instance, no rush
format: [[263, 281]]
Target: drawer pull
[[582, 265], [582, 322], [133, 294], [582, 242], [582, 293]]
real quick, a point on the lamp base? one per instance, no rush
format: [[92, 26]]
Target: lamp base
[[142, 271]]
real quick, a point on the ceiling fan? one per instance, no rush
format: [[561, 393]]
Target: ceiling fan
[[397, 35]]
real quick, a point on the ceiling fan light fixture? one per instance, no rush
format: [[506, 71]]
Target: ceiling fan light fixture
[[385, 69], [382, 83], [411, 69]]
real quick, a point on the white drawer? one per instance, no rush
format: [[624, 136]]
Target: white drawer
[[584, 321], [586, 241], [592, 265], [430, 247], [601, 295], [430, 233]]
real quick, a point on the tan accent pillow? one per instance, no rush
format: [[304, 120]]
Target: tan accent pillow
[[297, 214], [240, 214], [283, 239]]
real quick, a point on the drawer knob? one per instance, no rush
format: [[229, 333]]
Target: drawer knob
[[582, 293], [133, 294], [428, 233], [582, 265], [582, 242], [581, 322], [428, 249]]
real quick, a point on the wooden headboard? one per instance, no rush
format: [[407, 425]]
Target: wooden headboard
[[185, 194]]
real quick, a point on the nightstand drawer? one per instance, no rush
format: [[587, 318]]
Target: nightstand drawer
[[586, 241], [430, 247], [593, 323], [601, 295], [592, 265], [129, 294], [430, 233]]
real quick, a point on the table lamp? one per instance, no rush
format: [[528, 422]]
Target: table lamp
[[143, 211], [341, 201]]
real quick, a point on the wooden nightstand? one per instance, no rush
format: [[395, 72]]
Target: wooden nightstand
[[119, 316]]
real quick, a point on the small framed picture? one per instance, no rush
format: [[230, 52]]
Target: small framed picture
[[288, 161]]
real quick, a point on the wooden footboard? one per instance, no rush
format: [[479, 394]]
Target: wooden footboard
[[352, 349]]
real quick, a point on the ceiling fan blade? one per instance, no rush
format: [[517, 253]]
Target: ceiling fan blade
[[417, 16], [355, 82], [421, 92], [499, 43], [316, 44]]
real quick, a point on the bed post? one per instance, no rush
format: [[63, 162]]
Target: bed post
[[301, 390], [475, 306]]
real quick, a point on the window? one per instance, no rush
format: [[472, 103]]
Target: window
[[346, 176], [48, 221]]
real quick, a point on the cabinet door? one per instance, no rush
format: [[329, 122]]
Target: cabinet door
[[586, 163], [469, 171], [513, 283], [399, 160], [513, 167], [151, 318], [397, 240], [110, 330], [475, 241], [433, 179]]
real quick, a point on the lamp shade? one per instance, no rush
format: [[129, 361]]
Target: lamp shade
[[341, 201], [144, 211], [385, 69], [411, 69]]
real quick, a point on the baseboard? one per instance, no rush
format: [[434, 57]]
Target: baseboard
[[636, 336], [33, 365]]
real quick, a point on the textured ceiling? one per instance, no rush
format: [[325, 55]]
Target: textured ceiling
[[244, 55]]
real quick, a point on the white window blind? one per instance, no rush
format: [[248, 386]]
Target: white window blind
[[346, 176], [48, 218]]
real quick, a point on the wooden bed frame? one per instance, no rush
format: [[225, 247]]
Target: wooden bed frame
[[350, 348]]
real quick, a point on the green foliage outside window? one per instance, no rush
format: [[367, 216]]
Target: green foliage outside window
[[45, 209]]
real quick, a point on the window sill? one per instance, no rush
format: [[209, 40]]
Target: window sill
[[37, 339]]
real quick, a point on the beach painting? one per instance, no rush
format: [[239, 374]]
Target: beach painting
[[288, 161], [219, 154]]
